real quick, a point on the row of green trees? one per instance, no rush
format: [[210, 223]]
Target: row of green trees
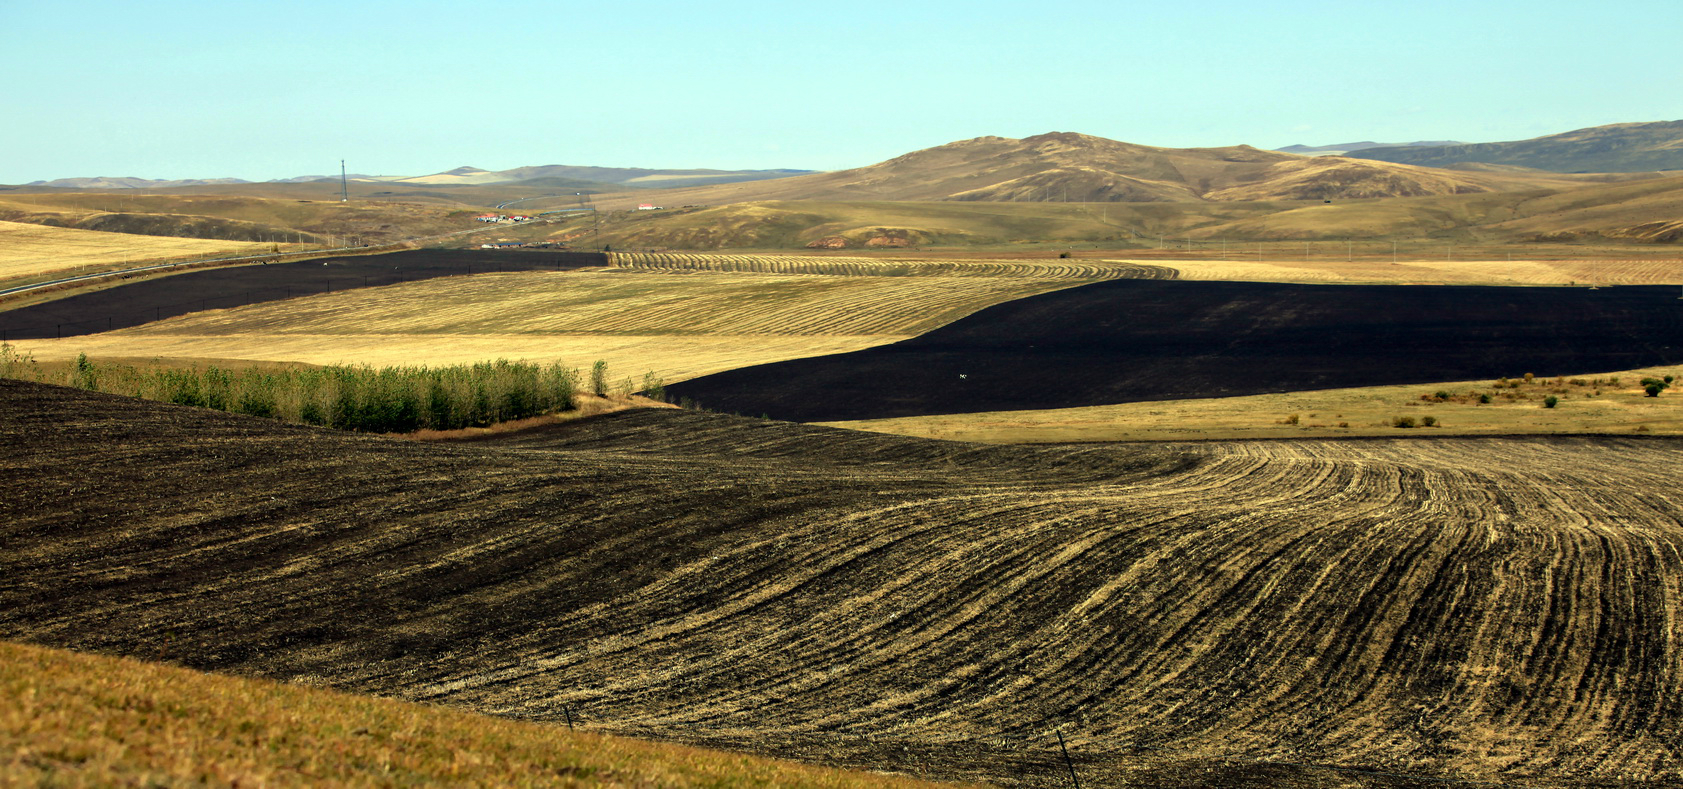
[[380, 400]]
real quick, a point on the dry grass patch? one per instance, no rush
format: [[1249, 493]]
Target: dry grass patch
[[1653, 271], [31, 251], [84, 720], [1597, 404]]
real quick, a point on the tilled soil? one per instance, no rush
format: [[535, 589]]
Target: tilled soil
[[1132, 340], [149, 300], [1355, 613]]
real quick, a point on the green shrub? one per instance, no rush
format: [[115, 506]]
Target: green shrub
[[599, 378], [385, 400]]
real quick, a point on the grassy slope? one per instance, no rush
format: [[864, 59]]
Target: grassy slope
[[234, 216], [1619, 147], [1635, 212], [87, 720], [1595, 407]]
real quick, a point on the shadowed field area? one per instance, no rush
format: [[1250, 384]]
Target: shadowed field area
[[1139, 340], [1356, 613]]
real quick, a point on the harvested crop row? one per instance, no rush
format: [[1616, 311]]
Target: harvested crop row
[[878, 267], [623, 302], [1480, 609]]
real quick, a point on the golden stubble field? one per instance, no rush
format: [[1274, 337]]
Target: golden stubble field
[[676, 324], [29, 251], [1657, 270]]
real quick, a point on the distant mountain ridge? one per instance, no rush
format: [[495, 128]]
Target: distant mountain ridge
[[1072, 167], [1614, 148], [1346, 147], [556, 174]]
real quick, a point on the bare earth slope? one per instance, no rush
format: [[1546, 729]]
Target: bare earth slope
[[1492, 610]]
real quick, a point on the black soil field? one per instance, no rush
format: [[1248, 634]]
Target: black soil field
[[1132, 340], [1354, 613], [194, 291]]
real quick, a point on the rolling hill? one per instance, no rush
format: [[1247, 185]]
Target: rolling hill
[[1069, 167], [1374, 613], [1615, 148]]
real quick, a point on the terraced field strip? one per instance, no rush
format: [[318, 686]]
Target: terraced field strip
[[1086, 270], [1499, 611], [676, 324], [28, 250], [624, 302], [1652, 271]]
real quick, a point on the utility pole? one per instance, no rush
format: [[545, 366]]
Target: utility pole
[[344, 184]]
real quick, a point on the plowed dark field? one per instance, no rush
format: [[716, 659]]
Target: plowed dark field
[[194, 291], [1133, 340], [1356, 613]]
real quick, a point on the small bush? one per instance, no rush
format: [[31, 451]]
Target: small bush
[[1403, 421], [1550, 401], [654, 388], [599, 378]]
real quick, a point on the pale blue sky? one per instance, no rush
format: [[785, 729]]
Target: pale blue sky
[[276, 89]]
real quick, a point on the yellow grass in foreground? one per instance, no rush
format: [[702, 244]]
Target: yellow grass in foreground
[[1654, 271], [82, 720], [28, 250], [1367, 411]]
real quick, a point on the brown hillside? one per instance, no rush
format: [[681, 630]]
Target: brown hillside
[[1069, 167], [1329, 177]]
